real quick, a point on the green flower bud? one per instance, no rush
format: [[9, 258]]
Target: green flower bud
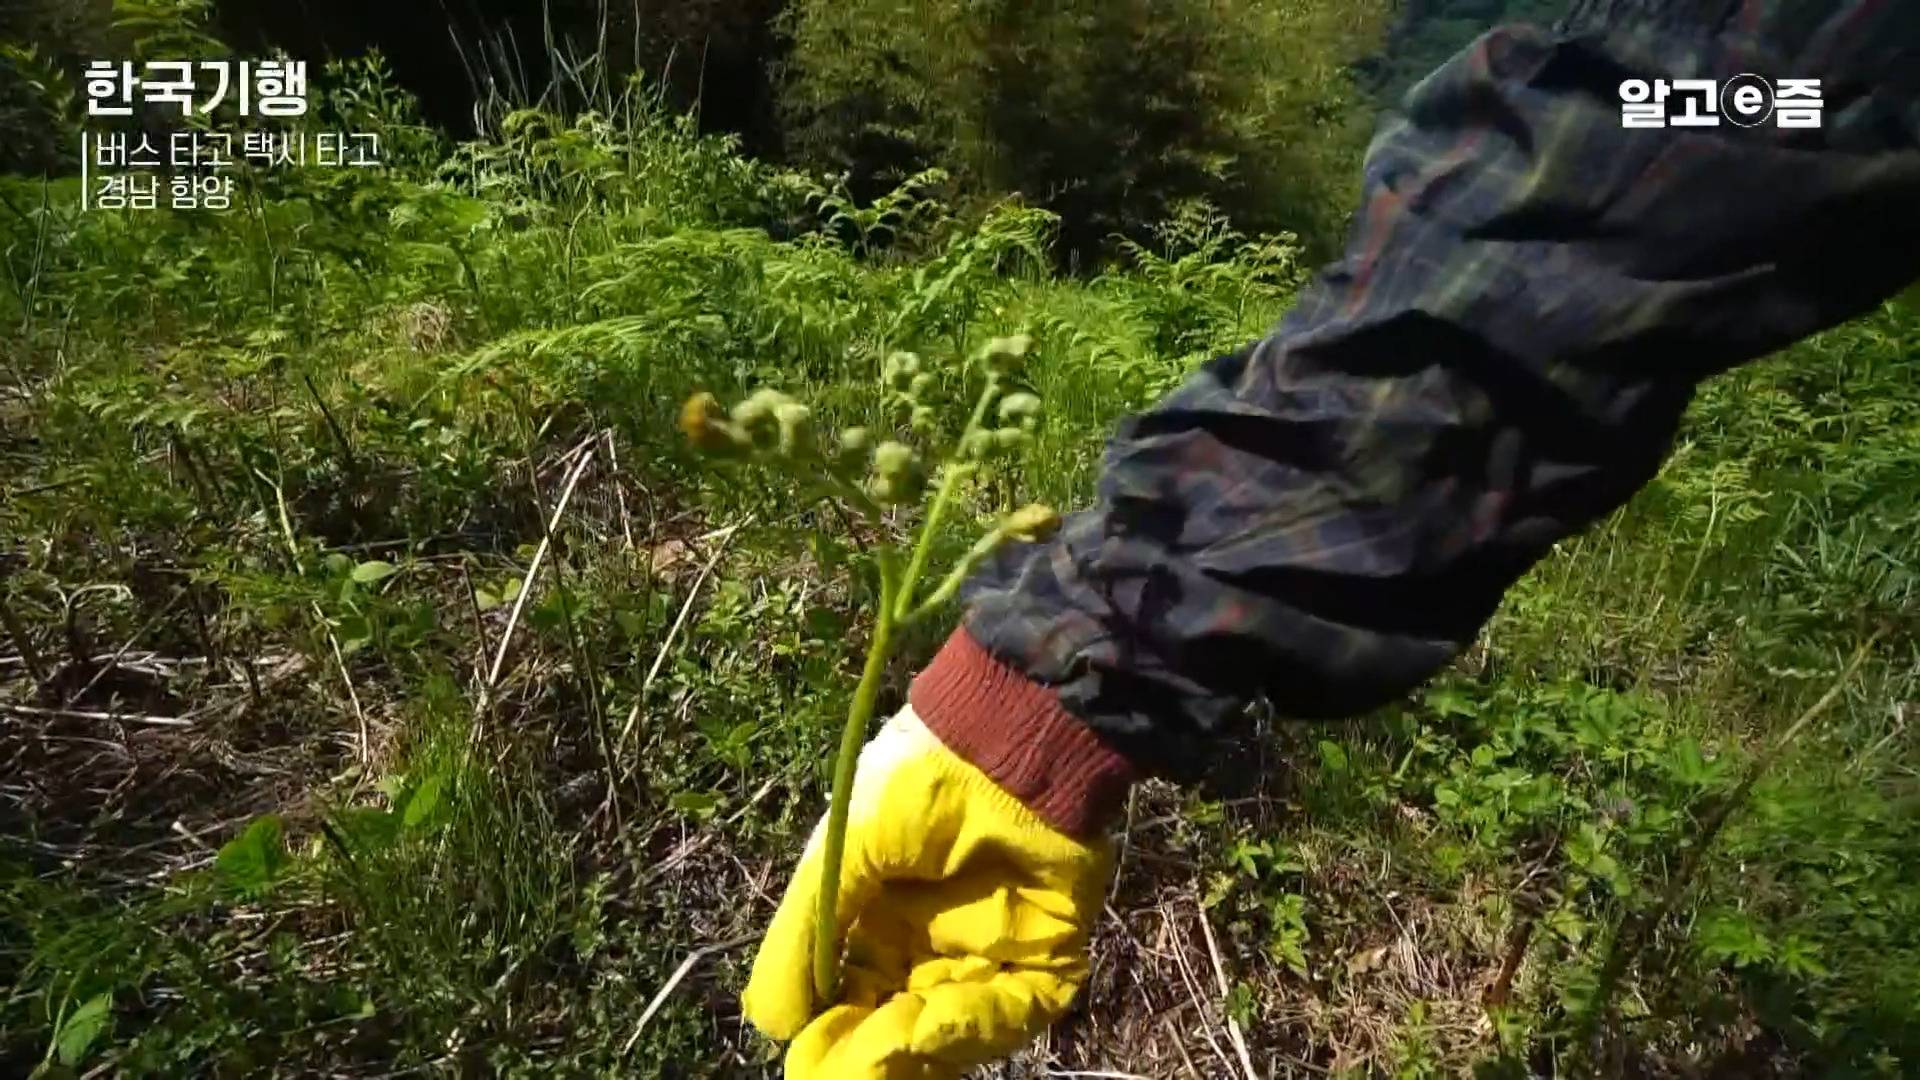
[[756, 417], [897, 475], [1004, 355], [855, 440], [976, 445], [1010, 439], [1031, 523], [892, 459], [758, 408], [796, 429], [919, 385], [1019, 406], [706, 426], [899, 370], [921, 419], [895, 491]]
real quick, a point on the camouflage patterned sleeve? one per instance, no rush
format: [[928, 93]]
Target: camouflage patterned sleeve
[[1528, 297]]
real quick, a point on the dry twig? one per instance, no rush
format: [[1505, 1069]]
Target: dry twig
[[680, 621], [95, 714], [486, 702], [673, 980], [1234, 1033], [35, 667]]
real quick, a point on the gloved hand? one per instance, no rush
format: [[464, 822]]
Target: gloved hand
[[969, 922]]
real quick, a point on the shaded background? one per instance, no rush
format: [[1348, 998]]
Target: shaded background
[[721, 55]]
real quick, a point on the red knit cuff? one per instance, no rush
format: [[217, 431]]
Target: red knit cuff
[[1014, 730]]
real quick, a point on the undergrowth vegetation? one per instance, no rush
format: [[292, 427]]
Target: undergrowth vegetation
[[1250, 105], [384, 685]]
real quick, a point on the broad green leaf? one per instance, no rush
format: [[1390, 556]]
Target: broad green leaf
[[251, 862], [1241, 1003], [354, 632], [1332, 755], [1448, 701], [367, 828], [82, 1027], [1689, 765], [1733, 937], [697, 804], [372, 571], [551, 611], [1796, 956], [424, 804]]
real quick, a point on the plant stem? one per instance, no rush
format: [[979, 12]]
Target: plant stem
[[826, 936], [333, 426], [896, 598], [956, 577], [950, 477]]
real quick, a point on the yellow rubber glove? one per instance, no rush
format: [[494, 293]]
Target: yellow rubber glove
[[969, 923]]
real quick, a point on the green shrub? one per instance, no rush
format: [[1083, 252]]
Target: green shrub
[[1106, 112]]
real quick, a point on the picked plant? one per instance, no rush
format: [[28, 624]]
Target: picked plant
[[871, 475]]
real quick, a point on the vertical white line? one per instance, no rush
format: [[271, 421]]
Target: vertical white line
[[84, 181]]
